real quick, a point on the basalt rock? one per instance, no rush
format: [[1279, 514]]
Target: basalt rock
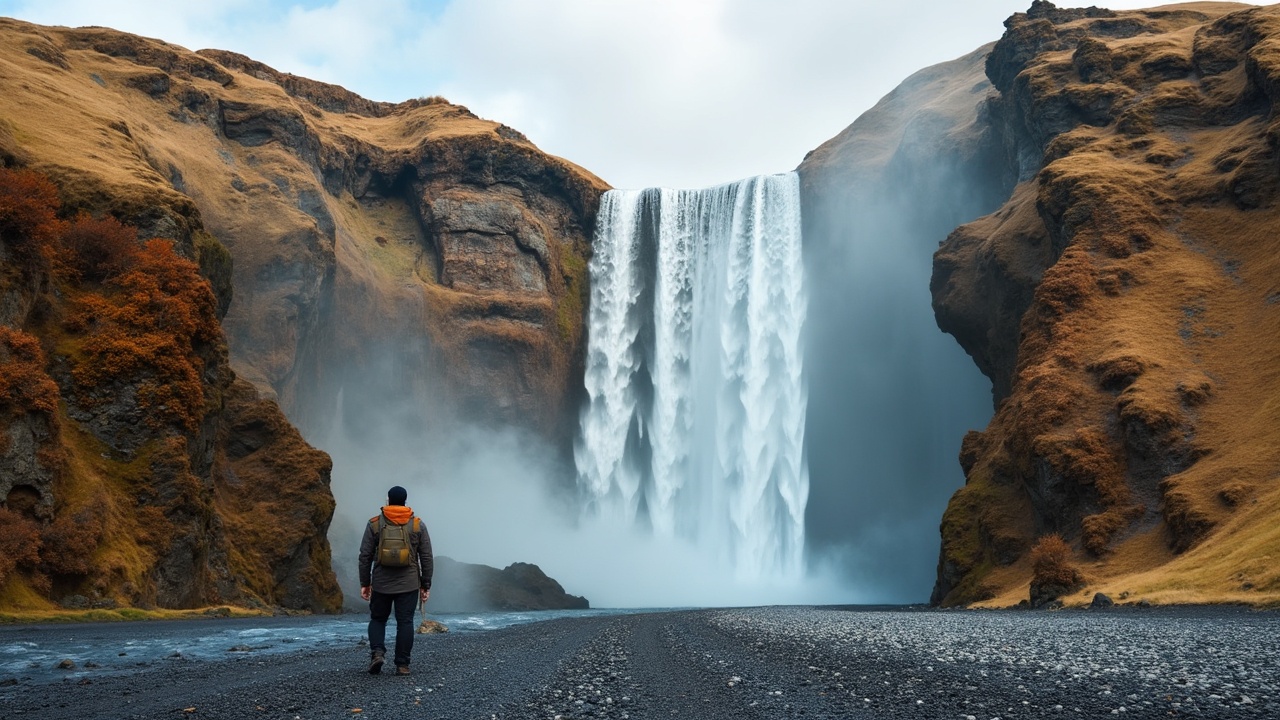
[[469, 587]]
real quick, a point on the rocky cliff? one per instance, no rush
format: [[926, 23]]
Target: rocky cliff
[[409, 256], [407, 263], [135, 468], [1124, 303]]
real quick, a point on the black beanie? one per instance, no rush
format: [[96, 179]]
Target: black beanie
[[397, 495]]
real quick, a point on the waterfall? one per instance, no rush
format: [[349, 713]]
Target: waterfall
[[696, 414]]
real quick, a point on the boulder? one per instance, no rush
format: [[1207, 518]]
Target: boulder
[[466, 587]]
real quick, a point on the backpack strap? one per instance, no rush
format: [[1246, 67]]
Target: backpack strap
[[417, 524]]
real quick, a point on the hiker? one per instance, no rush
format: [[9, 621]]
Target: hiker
[[395, 571]]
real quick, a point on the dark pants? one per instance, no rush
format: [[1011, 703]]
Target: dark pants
[[379, 610]]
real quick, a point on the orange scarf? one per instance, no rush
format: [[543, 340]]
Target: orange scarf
[[397, 514]]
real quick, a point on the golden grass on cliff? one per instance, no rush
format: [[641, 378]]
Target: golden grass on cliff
[[1163, 319]]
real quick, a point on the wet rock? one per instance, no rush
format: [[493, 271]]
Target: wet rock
[[462, 587], [67, 664], [431, 627]]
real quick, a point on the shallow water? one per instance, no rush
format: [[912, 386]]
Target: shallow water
[[35, 650]]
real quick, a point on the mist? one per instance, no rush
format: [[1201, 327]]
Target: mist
[[891, 396], [498, 496]]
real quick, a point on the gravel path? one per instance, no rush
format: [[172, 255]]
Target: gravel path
[[710, 664]]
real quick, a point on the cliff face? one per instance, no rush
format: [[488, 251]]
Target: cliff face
[[1123, 302], [406, 254], [410, 265], [135, 469]]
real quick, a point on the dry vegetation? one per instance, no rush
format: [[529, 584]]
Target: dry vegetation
[[1142, 420], [134, 376], [1052, 566]]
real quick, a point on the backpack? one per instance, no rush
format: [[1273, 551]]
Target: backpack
[[395, 548]]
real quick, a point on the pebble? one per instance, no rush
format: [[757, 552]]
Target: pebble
[[903, 664]]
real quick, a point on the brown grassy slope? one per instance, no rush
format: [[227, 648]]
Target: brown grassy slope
[[1135, 271], [404, 251]]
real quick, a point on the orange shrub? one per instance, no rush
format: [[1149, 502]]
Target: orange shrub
[[68, 543], [1051, 563], [19, 543], [29, 222], [24, 385], [150, 327], [96, 249]]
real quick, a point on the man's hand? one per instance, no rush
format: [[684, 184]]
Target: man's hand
[[425, 595], [366, 592]]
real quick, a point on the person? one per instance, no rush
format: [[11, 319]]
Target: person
[[394, 587]]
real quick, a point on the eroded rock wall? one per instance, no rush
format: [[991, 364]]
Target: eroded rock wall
[[408, 252], [1122, 302]]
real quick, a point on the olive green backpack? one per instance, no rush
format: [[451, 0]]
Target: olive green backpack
[[395, 547]]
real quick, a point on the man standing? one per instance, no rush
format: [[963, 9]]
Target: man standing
[[395, 570]]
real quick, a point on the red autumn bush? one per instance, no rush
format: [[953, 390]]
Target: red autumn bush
[[29, 224], [150, 326], [24, 385], [97, 248], [1051, 563], [19, 543], [68, 543]]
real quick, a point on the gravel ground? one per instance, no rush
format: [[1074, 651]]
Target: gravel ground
[[710, 664]]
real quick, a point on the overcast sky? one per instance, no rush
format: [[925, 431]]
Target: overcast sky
[[681, 93]]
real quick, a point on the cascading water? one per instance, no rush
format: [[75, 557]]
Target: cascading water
[[695, 424]]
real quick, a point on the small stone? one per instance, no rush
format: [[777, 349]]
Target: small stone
[[1100, 600], [67, 664]]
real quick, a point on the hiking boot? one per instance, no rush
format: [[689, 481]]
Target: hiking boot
[[375, 663], [402, 669]]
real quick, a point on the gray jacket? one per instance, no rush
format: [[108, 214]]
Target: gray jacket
[[390, 580]]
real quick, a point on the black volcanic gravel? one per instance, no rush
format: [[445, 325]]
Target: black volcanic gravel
[[712, 664]]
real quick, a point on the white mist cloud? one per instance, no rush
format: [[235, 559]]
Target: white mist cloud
[[498, 497]]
